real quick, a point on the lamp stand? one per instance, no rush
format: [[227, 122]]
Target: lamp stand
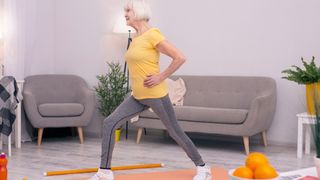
[[127, 73]]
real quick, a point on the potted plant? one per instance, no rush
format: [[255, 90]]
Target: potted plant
[[310, 76], [111, 90]]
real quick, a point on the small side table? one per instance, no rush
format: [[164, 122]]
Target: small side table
[[305, 120]]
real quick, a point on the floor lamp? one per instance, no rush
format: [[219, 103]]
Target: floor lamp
[[121, 27]]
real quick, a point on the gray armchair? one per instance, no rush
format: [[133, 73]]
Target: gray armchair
[[58, 101]]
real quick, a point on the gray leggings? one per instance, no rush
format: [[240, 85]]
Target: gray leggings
[[131, 107]]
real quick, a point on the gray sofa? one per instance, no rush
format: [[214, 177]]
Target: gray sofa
[[52, 101], [226, 105]]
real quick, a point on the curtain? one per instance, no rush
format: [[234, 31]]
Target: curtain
[[19, 18], [14, 35]]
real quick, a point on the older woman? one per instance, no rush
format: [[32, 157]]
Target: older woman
[[148, 89]]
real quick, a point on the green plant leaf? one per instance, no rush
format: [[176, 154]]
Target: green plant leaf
[[111, 88], [310, 73]]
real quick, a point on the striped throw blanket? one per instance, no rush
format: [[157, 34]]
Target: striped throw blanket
[[8, 103]]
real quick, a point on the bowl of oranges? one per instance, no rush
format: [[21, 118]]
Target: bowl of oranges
[[257, 167]]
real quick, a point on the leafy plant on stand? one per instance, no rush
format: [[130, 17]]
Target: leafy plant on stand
[[111, 89], [310, 76]]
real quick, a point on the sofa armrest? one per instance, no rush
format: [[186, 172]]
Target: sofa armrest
[[31, 107], [261, 113]]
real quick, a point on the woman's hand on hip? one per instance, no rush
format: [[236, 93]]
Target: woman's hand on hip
[[152, 80]]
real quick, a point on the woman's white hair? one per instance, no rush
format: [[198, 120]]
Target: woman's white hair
[[141, 9]]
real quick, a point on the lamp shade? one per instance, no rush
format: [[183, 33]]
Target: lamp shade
[[121, 27]]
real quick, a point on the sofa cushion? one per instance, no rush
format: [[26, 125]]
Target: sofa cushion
[[205, 114], [61, 109]]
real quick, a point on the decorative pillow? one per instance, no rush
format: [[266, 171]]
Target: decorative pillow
[[177, 90]]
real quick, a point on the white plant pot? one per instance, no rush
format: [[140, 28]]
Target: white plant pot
[[317, 164]]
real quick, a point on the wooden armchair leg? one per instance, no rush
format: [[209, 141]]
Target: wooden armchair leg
[[264, 138], [40, 133], [80, 133], [139, 135], [246, 144]]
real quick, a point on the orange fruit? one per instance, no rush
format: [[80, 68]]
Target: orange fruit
[[265, 172], [256, 159], [243, 172]]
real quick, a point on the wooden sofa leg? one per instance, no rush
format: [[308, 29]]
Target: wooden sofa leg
[[40, 133], [264, 138], [246, 144], [139, 135], [80, 133]]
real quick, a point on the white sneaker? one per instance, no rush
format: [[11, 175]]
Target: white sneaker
[[203, 173], [103, 174]]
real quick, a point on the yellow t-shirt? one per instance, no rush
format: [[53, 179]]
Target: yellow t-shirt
[[143, 59]]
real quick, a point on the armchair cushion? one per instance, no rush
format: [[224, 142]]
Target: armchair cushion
[[61, 109]]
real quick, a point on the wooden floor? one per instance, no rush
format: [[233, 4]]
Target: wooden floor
[[66, 153]]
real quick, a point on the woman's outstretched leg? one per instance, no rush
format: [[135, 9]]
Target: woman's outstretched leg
[[163, 108], [128, 109]]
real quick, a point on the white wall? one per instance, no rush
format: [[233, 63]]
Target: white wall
[[13, 43], [40, 38], [28, 30], [84, 41], [220, 37], [247, 37], [72, 37], [79, 31]]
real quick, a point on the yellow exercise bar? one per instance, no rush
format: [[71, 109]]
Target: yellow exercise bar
[[90, 170]]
